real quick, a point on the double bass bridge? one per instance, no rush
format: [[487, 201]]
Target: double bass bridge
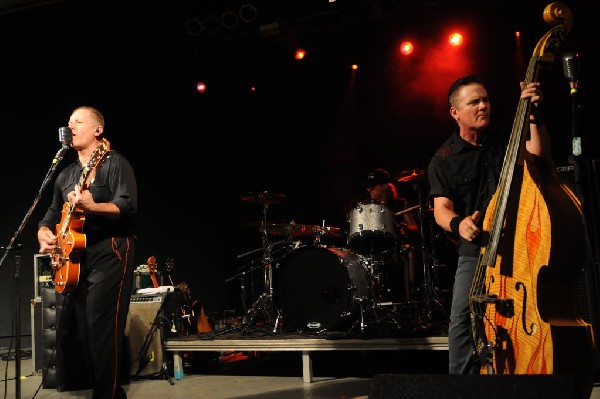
[[504, 306]]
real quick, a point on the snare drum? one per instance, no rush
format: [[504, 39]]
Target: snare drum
[[371, 229]]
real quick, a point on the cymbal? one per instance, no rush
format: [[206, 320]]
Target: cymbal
[[263, 197], [304, 230], [415, 175], [301, 230], [293, 229], [332, 231]]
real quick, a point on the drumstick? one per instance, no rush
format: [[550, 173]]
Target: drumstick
[[412, 208]]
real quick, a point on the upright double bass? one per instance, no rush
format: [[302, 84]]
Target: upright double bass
[[523, 299]]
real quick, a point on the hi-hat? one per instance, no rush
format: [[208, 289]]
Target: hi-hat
[[415, 175], [263, 197]]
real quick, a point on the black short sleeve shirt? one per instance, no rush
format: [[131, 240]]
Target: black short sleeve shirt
[[468, 175]]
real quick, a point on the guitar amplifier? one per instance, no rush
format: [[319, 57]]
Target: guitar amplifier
[[42, 273], [151, 319]]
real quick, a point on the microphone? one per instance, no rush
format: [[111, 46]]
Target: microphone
[[65, 136], [571, 70]]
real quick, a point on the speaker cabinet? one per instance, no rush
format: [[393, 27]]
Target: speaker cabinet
[[152, 319], [414, 386], [36, 336], [48, 337], [42, 274], [42, 280], [144, 336]]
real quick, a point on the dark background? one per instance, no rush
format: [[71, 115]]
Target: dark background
[[310, 131]]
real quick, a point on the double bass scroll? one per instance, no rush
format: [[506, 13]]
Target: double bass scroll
[[523, 297]]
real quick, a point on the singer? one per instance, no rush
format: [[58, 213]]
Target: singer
[[94, 314]]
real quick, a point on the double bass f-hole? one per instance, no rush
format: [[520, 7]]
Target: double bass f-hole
[[524, 307]]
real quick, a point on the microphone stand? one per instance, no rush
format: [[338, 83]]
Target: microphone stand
[[586, 198], [17, 262]]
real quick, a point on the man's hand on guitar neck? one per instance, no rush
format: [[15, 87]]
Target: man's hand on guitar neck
[[83, 200]]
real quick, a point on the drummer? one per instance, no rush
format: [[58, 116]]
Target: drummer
[[380, 190]]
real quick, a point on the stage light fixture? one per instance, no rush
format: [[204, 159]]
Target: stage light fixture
[[455, 39], [193, 27], [300, 54], [201, 87], [406, 48], [229, 20], [211, 24], [248, 13]]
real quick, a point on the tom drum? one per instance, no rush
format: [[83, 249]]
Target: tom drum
[[371, 229]]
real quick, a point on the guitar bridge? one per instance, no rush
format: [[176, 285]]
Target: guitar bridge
[[505, 307]]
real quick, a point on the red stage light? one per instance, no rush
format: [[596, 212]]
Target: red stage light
[[299, 54], [200, 87], [455, 39], [406, 48]]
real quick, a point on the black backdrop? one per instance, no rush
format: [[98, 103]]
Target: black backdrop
[[310, 131]]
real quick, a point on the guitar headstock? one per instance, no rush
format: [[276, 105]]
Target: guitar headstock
[[98, 154], [152, 264]]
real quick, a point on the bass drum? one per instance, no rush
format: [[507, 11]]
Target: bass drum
[[320, 288]]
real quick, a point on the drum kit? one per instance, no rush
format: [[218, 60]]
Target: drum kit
[[314, 288]]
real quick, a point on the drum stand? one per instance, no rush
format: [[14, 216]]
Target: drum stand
[[264, 304], [432, 302]]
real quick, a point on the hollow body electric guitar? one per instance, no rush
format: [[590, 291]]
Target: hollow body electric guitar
[[71, 240]]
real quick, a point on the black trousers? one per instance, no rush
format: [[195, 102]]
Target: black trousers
[[91, 332]]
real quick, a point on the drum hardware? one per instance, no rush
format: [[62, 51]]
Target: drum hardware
[[247, 269], [324, 230], [415, 175], [264, 305], [264, 198], [431, 299], [298, 231], [412, 208]]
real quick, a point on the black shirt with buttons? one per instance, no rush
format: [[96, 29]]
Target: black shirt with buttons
[[468, 175]]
